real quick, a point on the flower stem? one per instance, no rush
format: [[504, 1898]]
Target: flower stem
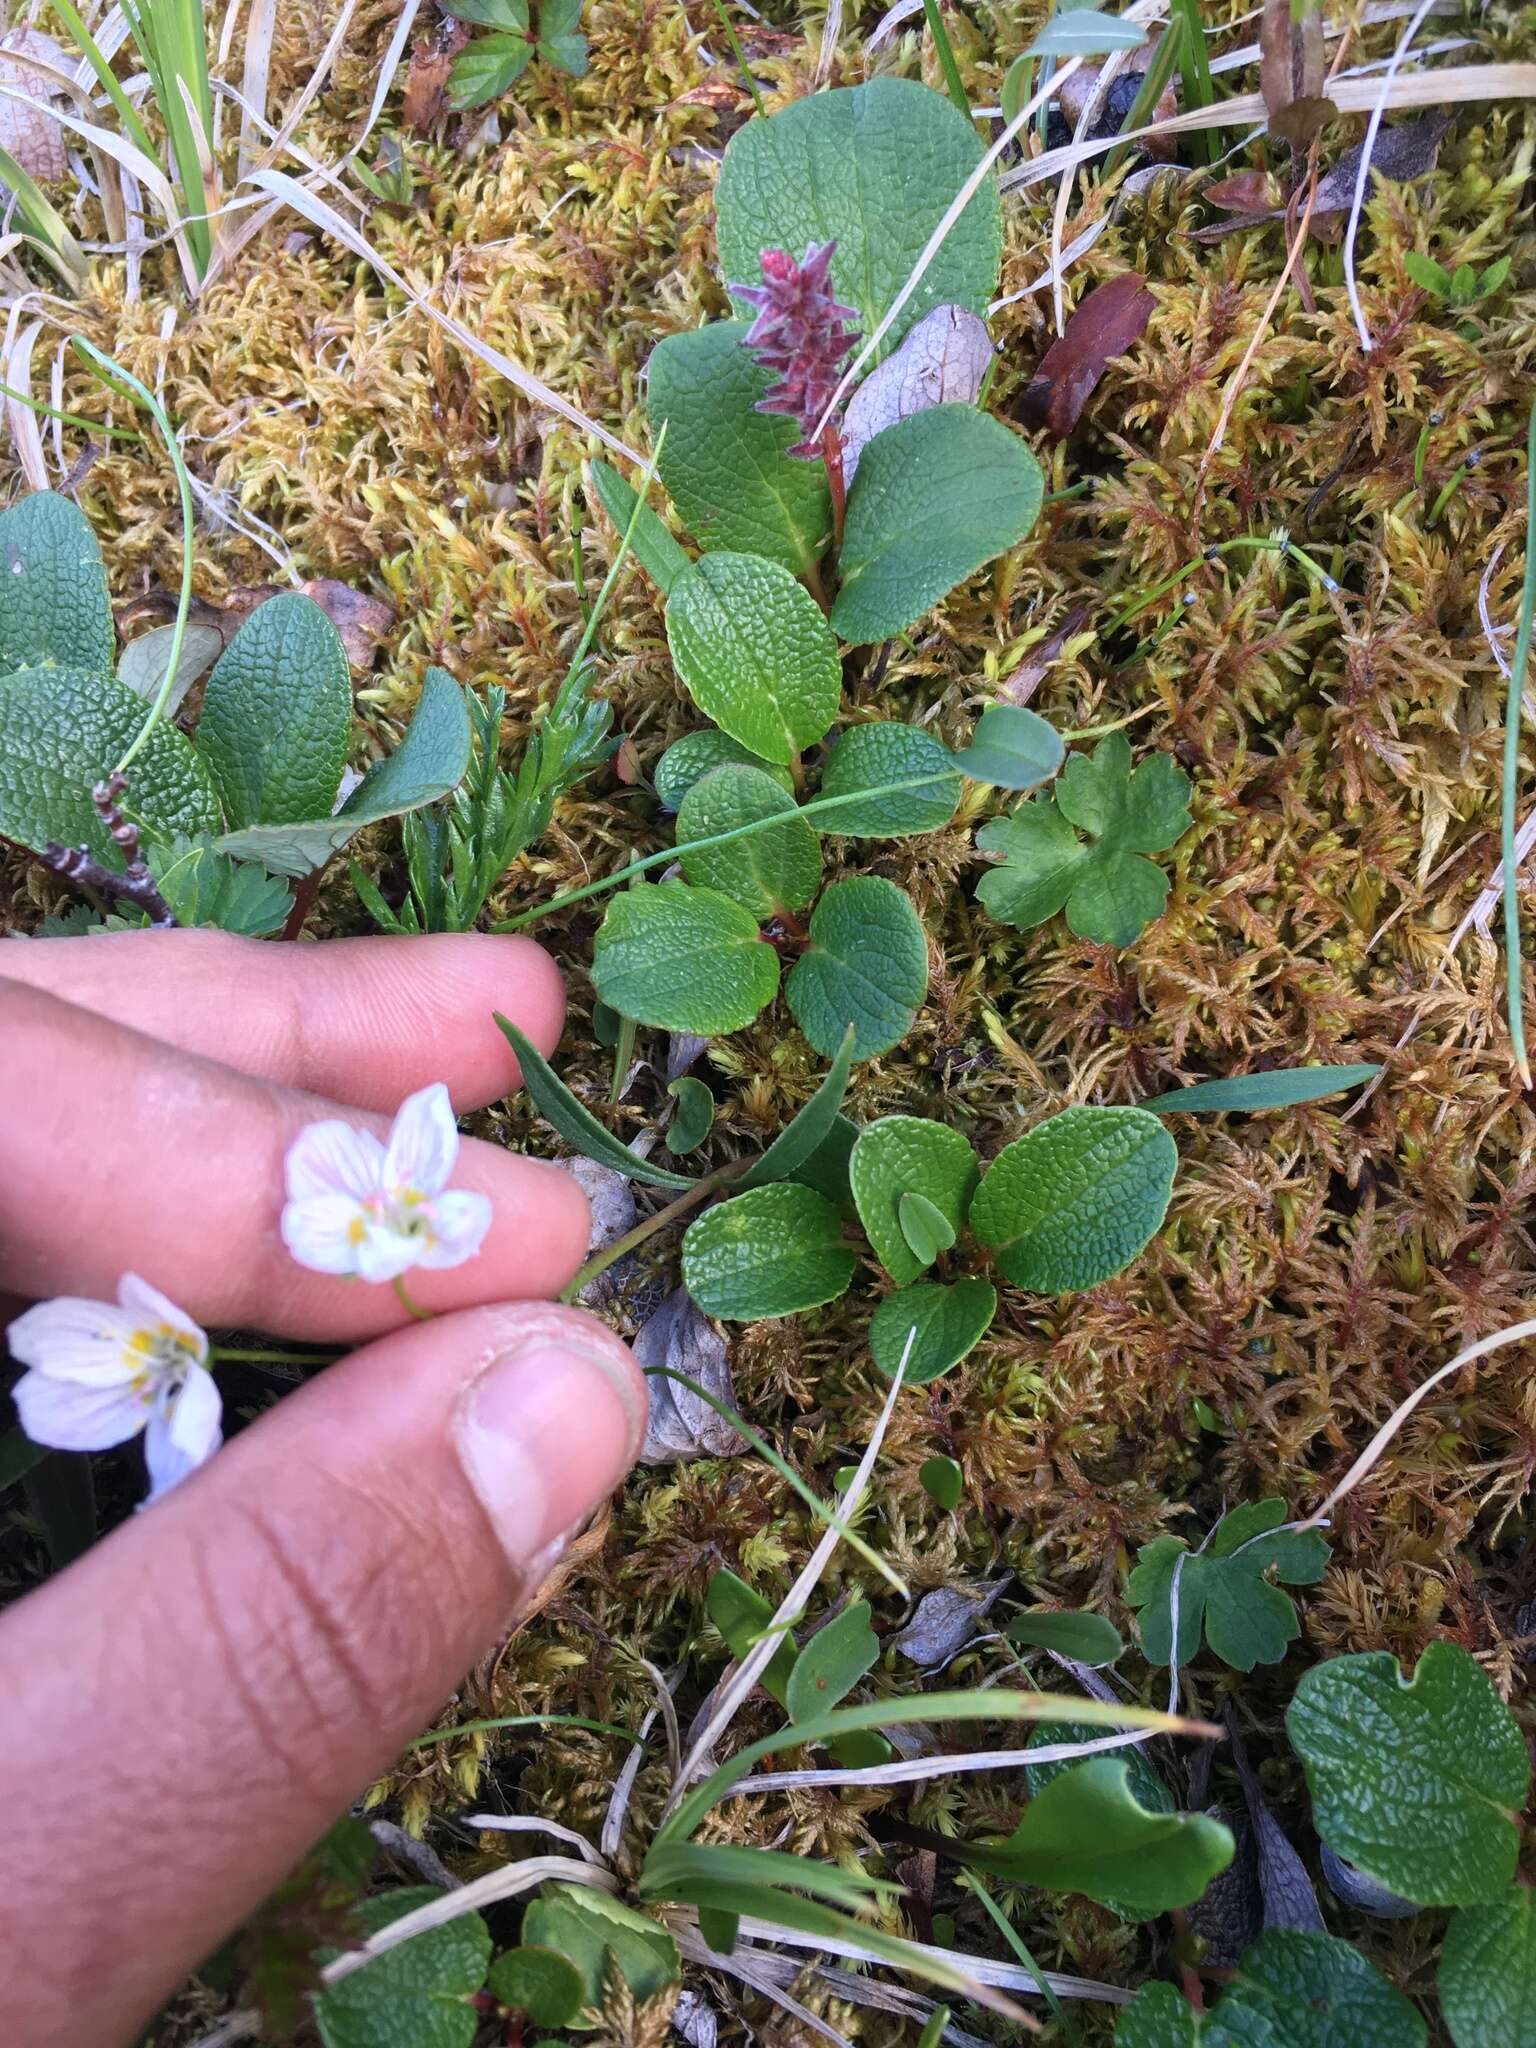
[[223, 1354], [832, 456], [654, 1225], [422, 1315]]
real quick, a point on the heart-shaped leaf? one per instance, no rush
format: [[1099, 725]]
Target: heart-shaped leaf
[[1087, 1832], [899, 1155], [949, 1321], [1011, 748], [723, 461], [1416, 1782], [767, 872], [874, 755], [696, 753], [936, 496], [417, 1992], [1074, 1200], [1487, 1978], [683, 959], [62, 731], [277, 715], [871, 168], [53, 588], [866, 965], [1292, 1990], [833, 1661], [755, 653], [771, 1252]]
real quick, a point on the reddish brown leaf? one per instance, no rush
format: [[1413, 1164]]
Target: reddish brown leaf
[[1108, 322], [1246, 192], [363, 622], [425, 100], [1037, 664]]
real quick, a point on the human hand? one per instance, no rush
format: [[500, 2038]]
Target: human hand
[[187, 1708]]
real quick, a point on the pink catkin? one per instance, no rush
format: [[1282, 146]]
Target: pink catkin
[[800, 334]]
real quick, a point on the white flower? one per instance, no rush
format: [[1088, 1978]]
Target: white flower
[[99, 1374], [356, 1206]]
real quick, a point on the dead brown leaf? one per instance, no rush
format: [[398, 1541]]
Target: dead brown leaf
[[1403, 153], [363, 622], [1292, 72], [1244, 192], [30, 133], [425, 101], [1108, 322], [1037, 664]]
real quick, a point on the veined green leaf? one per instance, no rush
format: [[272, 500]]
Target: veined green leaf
[[53, 589], [949, 1319], [772, 1252], [1293, 1989], [683, 959], [767, 872], [866, 965], [586, 1926], [696, 753], [418, 1992], [277, 715], [898, 1155], [755, 653], [1487, 1978], [870, 756]]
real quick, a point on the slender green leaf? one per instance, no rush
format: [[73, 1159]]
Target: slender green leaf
[[1281, 1088], [808, 1129], [1080, 1634], [574, 1121], [652, 546], [832, 1662], [1084, 32]]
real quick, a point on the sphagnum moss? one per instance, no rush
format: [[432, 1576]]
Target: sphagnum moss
[[1343, 751]]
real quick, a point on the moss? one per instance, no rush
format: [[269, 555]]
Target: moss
[[1316, 1265]]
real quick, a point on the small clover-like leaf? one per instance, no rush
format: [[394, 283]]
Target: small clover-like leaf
[[683, 959], [695, 754], [766, 872], [874, 755], [1107, 887], [1087, 1832], [866, 965], [948, 1320], [755, 652], [1417, 1782], [1074, 1200], [833, 1661], [901, 1155], [1293, 1989], [771, 1252], [1226, 1589]]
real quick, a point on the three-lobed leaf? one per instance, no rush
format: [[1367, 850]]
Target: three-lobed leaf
[[723, 462], [54, 610], [755, 653], [277, 714], [949, 1319], [770, 1252], [866, 965], [872, 168], [683, 959], [765, 872], [1074, 1200], [1103, 881], [898, 1155], [869, 757], [1416, 1782], [1293, 1989], [1226, 1588], [63, 730], [937, 496]]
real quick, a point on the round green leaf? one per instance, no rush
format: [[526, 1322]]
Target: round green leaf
[[943, 1482], [413, 1996], [755, 652], [936, 496], [768, 1253], [899, 1155], [1011, 748], [869, 757], [1487, 1980], [723, 462], [867, 965], [948, 1320], [695, 754], [1075, 1199], [1417, 1783], [689, 1126], [61, 732], [1071, 1633], [540, 1982], [871, 167], [767, 872], [683, 959]]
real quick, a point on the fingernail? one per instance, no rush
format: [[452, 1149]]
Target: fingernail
[[544, 1434]]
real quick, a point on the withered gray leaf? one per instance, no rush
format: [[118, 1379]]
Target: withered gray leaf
[[611, 1195], [1229, 1913], [141, 665], [1403, 153], [1355, 1889], [681, 1426], [942, 362], [944, 1623], [29, 132]]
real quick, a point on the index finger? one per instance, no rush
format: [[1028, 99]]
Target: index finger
[[365, 1021]]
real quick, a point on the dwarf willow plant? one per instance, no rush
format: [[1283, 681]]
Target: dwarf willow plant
[[224, 819]]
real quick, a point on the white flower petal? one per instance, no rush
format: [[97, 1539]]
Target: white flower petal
[[460, 1220], [423, 1142], [148, 1306], [73, 1339], [333, 1158], [323, 1232], [69, 1416], [183, 1431], [385, 1254]]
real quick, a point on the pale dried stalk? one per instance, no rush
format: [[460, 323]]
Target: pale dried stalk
[[1357, 202]]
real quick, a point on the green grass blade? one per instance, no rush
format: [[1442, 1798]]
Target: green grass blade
[[1284, 1088]]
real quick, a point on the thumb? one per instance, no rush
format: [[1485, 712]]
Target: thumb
[[192, 1704]]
